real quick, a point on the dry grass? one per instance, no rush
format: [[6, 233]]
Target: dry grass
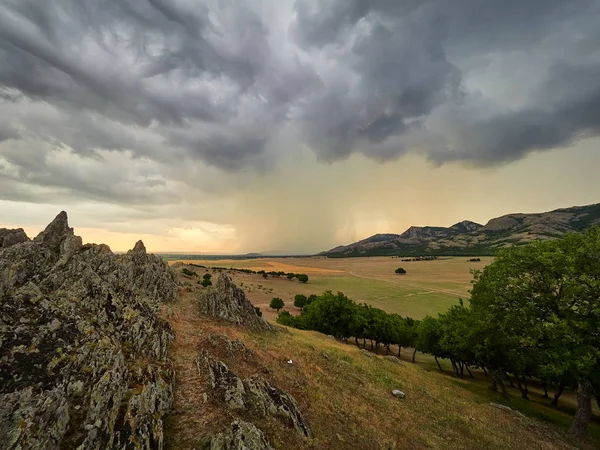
[[428, 288], [345, 396]]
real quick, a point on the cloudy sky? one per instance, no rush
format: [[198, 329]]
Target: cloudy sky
[[260, 125]]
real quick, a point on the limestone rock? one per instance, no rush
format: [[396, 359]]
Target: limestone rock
[[235, 348], [11, 237], [392, 359], [228, 302], [270, 400], [84, 361], [398, 394], [367, 353], [240, 436], [252, 393], [223, 379]]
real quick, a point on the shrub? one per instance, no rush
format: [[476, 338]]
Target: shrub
[[400, 270], [276, 303]]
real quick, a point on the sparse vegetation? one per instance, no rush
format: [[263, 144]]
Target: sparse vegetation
[[189, 273]]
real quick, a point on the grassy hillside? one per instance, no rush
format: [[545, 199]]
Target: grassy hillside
[[345, 395]]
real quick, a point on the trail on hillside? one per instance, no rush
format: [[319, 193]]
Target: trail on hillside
[[184, 418]]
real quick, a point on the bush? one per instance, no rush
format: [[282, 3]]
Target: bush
[[290, 275], [206, 282], [207, 276], [276, 303], [400, 270], [265, 275], [302, 278], [258, 311], [189, 273]]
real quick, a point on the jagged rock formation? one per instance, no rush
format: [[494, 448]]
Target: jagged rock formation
[[11, 237], [228, 302], [254, 394], [83, 360], [470, 238], [240, 436]]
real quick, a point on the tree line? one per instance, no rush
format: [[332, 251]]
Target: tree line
[[533, 316]]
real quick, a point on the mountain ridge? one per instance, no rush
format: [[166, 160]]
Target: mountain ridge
[[471, 238]]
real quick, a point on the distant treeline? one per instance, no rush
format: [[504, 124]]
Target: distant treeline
[[302, 277], [171, 256], [533, 316], [417, 258]]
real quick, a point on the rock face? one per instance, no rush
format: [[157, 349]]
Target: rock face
[[228, 302], [253, 394], [240, 436], [12, 237], [83, 360]]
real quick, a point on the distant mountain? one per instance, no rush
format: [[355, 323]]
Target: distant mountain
[[470, 238]]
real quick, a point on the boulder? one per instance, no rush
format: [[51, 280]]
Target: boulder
[[398, 394], [228, 302], [240, 436], [84, 361], [392, 359], [10, 237], [367, 353], [254, 393], [272, 401]]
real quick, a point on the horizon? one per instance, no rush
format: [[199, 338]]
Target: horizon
[[226, 128], [32, 232]]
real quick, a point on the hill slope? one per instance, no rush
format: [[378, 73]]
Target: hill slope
[[470, 238], [345, 395]]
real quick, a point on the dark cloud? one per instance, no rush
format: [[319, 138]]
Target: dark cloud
[[221, 81]]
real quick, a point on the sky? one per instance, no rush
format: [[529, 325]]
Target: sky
[[221, 126]]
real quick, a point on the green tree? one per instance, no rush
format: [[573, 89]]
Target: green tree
[[276, 303], [538, 311], [206, 282], [400, 270], [300, 301], [207, 276], [290, 275], [302, 278]]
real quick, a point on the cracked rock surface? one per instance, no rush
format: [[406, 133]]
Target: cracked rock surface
[[83, 359], [228, 302]]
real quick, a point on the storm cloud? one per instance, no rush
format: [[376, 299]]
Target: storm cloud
[[136, 101]]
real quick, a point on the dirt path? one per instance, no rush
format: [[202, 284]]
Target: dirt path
[[187, 414]]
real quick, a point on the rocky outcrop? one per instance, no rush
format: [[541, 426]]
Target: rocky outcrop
[[10, 237], [83, 360], [228, 302], [254, 394], [240, 436]]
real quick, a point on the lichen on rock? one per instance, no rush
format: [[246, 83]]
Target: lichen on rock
[[240, 436], [228, 302], [83, 360], [254, 394]]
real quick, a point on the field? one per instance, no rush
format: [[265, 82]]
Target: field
[[428, 287]]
